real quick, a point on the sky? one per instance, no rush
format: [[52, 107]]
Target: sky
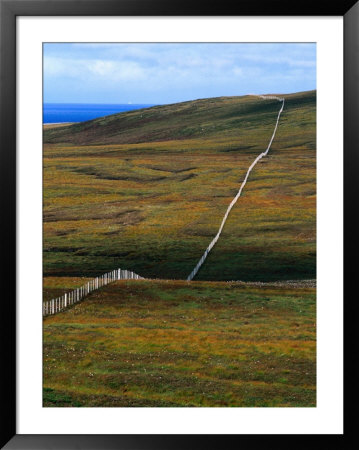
[[170, 73]]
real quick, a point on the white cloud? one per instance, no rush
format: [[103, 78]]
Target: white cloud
[[237, 71], [116, 71], [182, 70], [99, 69], [54, 66]]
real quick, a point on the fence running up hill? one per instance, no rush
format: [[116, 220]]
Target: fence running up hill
[[215, 239], [70, 298]]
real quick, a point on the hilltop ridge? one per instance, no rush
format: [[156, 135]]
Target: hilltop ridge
[[203, 118]]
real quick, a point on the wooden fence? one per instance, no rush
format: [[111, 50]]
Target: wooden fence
[[70, 298], [215, 239]]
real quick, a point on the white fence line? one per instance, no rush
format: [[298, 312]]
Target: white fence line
[[215, 239], [70, 298]]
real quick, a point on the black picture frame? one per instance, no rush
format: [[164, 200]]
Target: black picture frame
[[9, 10]]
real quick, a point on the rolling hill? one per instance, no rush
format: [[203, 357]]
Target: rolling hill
[[146, 190], [214, 117]]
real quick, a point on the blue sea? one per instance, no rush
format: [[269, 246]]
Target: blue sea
[[79, 112]]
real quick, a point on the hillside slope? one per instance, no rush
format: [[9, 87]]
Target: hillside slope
[[222, 116], [150, 196]]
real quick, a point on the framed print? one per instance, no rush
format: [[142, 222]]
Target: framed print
[[173, 185]]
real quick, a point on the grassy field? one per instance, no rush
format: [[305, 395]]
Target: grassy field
[[178, 343], [54, 287], [146, 190]]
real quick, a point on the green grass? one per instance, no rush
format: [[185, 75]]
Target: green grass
[[205, 118], [175, 343], [54, 287], [146, 191]]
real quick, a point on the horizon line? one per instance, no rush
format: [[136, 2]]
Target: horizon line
[[181, 101]]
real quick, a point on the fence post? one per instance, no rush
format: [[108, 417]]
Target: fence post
[[56, 305]]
